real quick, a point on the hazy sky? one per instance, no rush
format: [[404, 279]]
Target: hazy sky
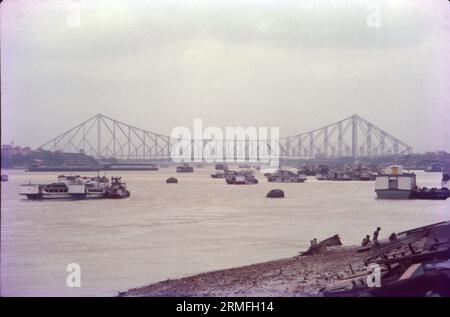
[[160, 64]]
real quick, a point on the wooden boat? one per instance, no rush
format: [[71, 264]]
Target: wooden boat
[[322, 245]]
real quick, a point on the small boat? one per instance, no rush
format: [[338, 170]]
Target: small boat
[[171, 180], [242, 178], [283, 176], [244, 166], [275, 193], [185, 168], [117, 189], [435, 168], [219, 167], [322, 177], [316, 248], [224, 174], [4, 178], [341, 176]]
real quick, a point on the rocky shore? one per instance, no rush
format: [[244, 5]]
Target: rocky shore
[[298, 276]]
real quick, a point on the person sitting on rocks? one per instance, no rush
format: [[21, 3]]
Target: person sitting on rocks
[[365, 241], [393, 237]]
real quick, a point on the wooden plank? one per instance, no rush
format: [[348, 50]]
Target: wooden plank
[[423, 228], [377, 252], [443, 253]]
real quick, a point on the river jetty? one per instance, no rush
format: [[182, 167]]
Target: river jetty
[[412, 263]]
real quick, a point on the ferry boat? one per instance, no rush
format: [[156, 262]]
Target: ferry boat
[[394, 184], [117, 189], [283, 176], [185, 168], [94, 187], [242, 178], [60, 189], [67, 187]]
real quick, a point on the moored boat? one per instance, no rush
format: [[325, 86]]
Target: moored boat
[[90, 187], [395, 184], [219, 167], [432, 194], [223, 174], [242, 178], [284, 176], [57, 190], [185, 168]]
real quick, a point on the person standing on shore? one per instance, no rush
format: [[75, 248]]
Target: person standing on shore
[[375, 236]]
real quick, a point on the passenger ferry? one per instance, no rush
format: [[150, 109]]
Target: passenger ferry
[[94, 187], [60, 189], [72, 186]]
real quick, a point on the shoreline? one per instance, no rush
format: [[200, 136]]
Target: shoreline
[[302, 275]]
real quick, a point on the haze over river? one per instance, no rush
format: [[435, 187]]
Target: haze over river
[[172, 230]]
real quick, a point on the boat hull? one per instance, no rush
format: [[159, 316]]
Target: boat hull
[[431, 195], [41, 196], [393, 194]]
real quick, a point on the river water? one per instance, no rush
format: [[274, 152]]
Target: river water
[[172, 230]]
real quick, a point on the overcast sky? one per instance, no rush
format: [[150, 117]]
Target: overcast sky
[[159, 64]]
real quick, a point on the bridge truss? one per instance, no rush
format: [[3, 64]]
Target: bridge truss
[[103, 137]]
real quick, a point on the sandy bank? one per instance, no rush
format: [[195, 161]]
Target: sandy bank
[[297, 276]]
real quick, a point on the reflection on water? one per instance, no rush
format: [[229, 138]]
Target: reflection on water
[[172, 230]]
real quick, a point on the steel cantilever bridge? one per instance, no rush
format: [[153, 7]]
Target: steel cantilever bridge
[[104, 137]]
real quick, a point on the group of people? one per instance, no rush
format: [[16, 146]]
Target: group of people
[[366, 241]]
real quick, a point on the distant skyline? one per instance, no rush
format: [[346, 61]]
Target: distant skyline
[[298, 65]]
